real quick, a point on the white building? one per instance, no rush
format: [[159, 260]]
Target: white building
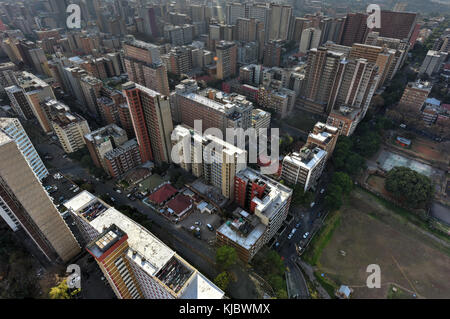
[[134, 261], [304, 167]]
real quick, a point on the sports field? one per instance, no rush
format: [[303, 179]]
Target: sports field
[[370, 232]]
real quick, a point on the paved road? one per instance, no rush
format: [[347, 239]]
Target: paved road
[[196, 251], [306, 218]]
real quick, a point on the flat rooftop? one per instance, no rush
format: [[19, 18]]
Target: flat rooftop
[[151, 253]]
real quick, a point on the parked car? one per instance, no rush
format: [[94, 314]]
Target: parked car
[[306, 235], [119, 191], [290, 235], [298, 225], [277, 244], [210, 227], [198, 223], [322, 190], [312, 204]]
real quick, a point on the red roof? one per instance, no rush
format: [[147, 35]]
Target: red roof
[[162, 194], [179, 203]]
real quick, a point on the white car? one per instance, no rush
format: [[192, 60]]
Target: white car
[[306, 235], [290, 235], [312, 204], [322, 190]]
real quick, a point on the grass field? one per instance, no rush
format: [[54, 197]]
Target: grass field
[[370, 232]]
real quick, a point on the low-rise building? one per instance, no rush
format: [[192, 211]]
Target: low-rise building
[[323, 136]]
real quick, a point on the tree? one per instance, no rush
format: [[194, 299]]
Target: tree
[[344, 181], [226, 256], [222, 280], [300, 197], [60, 291], [413, 188], [333, 198]]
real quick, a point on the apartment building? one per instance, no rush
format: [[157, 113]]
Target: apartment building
[[69, 127], [432, 62], [272, 53], [213, 108], [323, 136], [103, 140], [14, 129], [345, 119], [152, 121], [178, 60], [24, 204], [226, 52], [304, 167], [310, 38], [260, 119], [415, 95], [144, 66], [91, 88], [322, 70], [123, 158], [19, 102], [263, 197], [136, 263], [36, 91], [218, 165], [244, 232]]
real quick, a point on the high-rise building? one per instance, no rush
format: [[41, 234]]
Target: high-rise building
[[69, 127], [103, 140], [304, 167], [136, 264], [300, 24], [323, 70], [432, 62], [225, 161], [123, 158], [415, 95], [24, 204], [235, 11], [19, 102], [143, 65], [91, 88], [152, 121], [226, 59], [260, 119], [279, 22], [14, 129], [398, 25], [310, 38], [272, 53], [178, 60], [354, 29], [36, 91], [213, 110]]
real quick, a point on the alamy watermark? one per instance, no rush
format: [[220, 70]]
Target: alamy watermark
[[74, 278], [374, 18], [193, 151], [374, 279], [74, 19]]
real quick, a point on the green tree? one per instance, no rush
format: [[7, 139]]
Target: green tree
[[222, 280], [333, 198], [411, 187], [60, 291], [344, 181], [226, 256]]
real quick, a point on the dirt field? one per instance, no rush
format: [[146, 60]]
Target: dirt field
[[370, 233]]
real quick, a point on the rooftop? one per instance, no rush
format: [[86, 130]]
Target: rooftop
[[163, 193], [179, 204]]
